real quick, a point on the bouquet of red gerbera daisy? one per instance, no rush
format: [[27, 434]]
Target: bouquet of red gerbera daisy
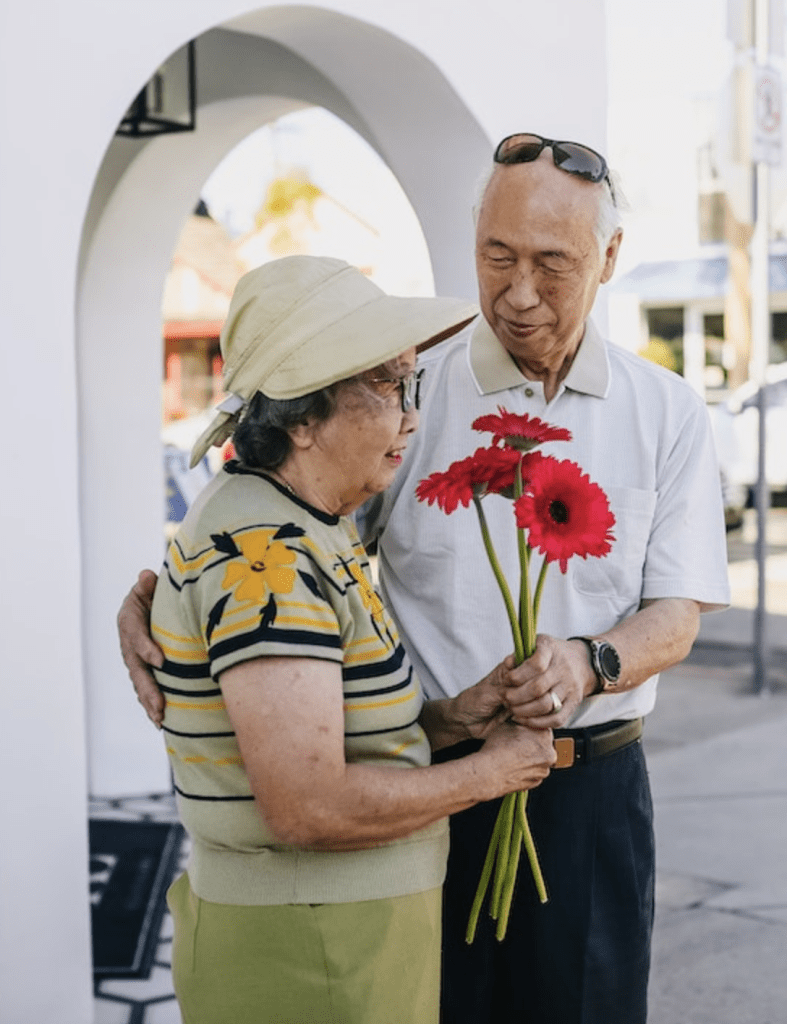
[[558, 511]]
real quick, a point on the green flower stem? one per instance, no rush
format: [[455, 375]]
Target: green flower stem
[[539, 587], [526, 617], [504, 848], [519, 654], [526, 623], [510, 879], [511, 830], [483, 882], [530, 847]]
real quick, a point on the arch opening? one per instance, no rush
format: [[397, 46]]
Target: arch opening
[[277, 61]]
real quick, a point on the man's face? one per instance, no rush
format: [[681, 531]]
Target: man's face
[[538, 259]]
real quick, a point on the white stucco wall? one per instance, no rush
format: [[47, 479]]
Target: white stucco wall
[[80, 509]]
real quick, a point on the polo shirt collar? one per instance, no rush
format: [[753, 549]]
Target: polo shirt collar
[[495, 370]]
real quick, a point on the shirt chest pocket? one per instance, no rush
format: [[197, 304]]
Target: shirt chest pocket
[[617, 577]]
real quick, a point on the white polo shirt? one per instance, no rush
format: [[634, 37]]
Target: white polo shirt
[[639, 431]]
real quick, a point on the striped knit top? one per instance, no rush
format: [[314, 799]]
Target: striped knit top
[[253, 571]]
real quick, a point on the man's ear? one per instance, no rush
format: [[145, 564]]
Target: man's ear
[[611, 256]]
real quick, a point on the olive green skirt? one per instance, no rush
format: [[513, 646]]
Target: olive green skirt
[[373, 962]]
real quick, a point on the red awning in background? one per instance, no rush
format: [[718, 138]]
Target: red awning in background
[[176, 329]]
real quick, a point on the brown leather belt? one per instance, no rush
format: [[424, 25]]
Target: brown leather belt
[[578, 746]]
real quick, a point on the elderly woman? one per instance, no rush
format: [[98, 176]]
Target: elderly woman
[[297, 733]]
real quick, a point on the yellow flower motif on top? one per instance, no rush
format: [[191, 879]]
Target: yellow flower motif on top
[[265, 567], [368, 594]]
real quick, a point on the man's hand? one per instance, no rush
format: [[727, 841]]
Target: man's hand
[[137, 647], [556, 666], [655, 638]]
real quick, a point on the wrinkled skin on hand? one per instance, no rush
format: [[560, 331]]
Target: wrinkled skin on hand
[[480, 708], [558, 666], [532, 751], [137, 647]]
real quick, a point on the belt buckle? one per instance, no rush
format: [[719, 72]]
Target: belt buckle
[[565, 749]]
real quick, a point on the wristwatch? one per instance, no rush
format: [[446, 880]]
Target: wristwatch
[[605, 661]]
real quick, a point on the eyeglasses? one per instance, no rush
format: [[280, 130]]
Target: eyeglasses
[[409, 387], [571, 157]]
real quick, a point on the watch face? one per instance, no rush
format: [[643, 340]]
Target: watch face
[[609, 661]]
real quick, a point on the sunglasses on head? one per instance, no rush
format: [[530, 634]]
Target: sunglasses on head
[[571, 157]]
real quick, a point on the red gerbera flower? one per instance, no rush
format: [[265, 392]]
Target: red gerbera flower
[[565, 513], [449, 489], [495, 470], [487, 470], [520, 432]]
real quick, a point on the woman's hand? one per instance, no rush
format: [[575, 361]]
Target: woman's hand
[[522, 757], [473, 714], [137, 646], [480, 708], [288, 716]]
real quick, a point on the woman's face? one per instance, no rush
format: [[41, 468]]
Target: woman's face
[[363, 442]]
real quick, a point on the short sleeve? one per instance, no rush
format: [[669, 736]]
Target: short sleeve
[[686, 555], [263, 593]]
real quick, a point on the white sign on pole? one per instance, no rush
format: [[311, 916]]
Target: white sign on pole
[[767, 141]]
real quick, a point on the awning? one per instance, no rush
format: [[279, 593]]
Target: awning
[[679, 281], [174, 330]]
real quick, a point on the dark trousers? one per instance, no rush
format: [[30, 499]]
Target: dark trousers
[[582, 958]]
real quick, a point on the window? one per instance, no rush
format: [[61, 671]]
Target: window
[[778, 353], [665, 337]]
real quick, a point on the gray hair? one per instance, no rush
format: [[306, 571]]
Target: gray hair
[[262, 438], [612, 205]]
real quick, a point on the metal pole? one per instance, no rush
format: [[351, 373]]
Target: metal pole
[[762, 496], [760, 346]]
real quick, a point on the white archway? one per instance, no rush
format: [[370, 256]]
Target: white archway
[[285, 58]]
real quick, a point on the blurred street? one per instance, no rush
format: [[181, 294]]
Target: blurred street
[[718, 766]]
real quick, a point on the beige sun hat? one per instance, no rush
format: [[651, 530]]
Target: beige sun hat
[[298, 324]]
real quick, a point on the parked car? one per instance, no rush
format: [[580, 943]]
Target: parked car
[[736, 431], [182, 485]]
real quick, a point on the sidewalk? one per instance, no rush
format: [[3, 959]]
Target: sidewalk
[[717, 755]]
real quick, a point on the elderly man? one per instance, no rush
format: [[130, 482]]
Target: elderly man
[[548, 234]]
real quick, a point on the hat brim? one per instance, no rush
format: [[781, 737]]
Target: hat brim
[[449, 332], [368, 335], [330, 347]]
